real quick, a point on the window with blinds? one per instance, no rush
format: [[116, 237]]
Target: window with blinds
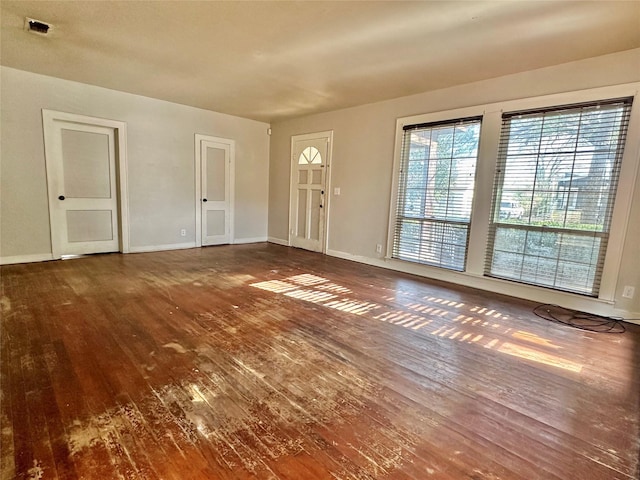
[[435, 192], [554, 191]]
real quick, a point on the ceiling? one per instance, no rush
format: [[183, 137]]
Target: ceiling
[[272, 60]]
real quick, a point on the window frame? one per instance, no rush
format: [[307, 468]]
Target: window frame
[[495, 222], [417, 121], [474, 274], [402, 188]]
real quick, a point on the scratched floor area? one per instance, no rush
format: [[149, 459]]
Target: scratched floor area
[[265, 362]]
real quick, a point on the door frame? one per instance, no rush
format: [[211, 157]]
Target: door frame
[[198, 139], [328, 134], [49, 117]]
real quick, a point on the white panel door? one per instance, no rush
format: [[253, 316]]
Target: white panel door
[[215, 177], [308, 208], [83, 191]]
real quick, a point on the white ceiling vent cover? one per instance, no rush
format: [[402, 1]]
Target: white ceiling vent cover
[[37, 26]]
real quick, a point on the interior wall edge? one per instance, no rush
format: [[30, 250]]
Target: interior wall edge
[[278, 241], [33, 258], [162, 248]]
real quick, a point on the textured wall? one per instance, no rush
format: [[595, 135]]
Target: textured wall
[[160, 162], [363, 154]]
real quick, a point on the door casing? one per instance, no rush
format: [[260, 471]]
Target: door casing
[[328, 135], [199, 140], [49, 117]]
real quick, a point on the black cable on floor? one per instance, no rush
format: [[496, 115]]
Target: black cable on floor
[[582, 320]]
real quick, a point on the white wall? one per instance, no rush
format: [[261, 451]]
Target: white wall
[[362, 167], [160, 163]]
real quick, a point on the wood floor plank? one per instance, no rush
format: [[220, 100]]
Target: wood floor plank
[[261, 361]]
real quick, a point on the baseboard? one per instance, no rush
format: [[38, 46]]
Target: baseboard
[[239, 241], [278, 241], [39, 257], [160, 248], [629, 317], [503, 287], [376, 262]]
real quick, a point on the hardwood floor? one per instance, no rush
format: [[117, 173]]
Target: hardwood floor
[[260, 361]]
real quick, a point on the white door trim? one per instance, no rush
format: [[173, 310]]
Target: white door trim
[[120, 128], [328, 134], [199, 138]]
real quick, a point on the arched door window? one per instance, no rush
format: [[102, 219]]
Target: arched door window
[[310, 155]]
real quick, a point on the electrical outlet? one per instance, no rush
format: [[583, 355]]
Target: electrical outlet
[[378, 248], [628, 291], [183, 232]]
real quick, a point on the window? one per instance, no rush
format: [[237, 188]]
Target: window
[[435, 192], [310, 155], [554, 192]]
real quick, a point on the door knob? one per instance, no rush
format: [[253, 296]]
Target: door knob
[[61, 197], [204, 199]]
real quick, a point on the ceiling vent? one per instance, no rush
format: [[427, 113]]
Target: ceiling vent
[[36, 26]]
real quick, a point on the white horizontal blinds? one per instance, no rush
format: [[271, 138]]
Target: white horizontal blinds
[[435, 192], [555, 185]]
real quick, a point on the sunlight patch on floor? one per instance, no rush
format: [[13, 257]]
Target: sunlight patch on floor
[[321, 291], [539, 357]]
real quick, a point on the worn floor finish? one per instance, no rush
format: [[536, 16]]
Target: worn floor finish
[[272, 363]]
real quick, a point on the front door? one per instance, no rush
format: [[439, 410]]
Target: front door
[[83, 186], [308, 182], [216, 157]]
